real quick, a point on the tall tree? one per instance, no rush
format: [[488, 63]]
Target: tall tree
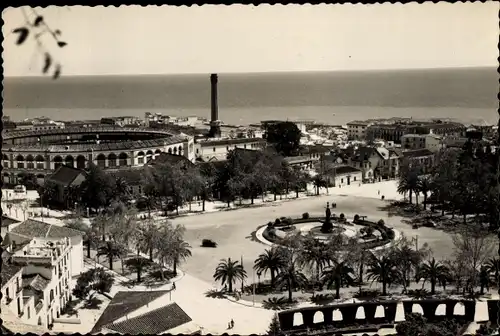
[[284, 136], [98, 189], [382, 269], [111, 250], [433, 271], [229, 271], [271, 260], [338, 274], [290, 275]]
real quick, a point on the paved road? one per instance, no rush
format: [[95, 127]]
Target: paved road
[[232, 230]]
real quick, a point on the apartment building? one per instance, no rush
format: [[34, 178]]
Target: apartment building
[[37, 285], [356, 130], [217, 149], [431, 142]]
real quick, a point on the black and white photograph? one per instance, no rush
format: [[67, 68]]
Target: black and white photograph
[[280, 170]]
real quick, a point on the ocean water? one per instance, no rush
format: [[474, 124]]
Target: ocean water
[[466, 94]]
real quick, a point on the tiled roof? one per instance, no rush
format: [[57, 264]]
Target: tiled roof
[[33, 228], [124, 303], [9, 270], [154, 322], [346, 170], [65, 175], [223, 142], [417, 153], [6, 221], [36, 282]]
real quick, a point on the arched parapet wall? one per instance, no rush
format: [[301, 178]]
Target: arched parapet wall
[[379, 313]]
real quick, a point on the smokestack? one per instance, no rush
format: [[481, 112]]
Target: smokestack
[[214, 115], [214, 110]]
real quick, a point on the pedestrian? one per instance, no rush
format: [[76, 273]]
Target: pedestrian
[[229, 325], [232, 324], [379, 192]]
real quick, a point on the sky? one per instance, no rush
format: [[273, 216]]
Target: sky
[[203, 39]]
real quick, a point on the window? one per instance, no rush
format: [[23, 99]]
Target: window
[[354, 179], [7, 293], [29, 313], [341, 180], [197, 151]]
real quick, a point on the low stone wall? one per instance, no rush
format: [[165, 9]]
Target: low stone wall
[[389, 308]]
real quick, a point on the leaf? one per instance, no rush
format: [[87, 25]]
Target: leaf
[[57, 72], [23, 34], [47, 63], [61, 44], [38, 20]]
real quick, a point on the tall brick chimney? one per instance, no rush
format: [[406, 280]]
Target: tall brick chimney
[[214, 113]]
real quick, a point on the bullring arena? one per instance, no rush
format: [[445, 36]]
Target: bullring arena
[[41, 152]]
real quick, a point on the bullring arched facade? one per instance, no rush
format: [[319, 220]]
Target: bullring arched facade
[[41, 159]]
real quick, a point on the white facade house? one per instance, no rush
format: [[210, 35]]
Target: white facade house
[[39, 286], [33, 229]]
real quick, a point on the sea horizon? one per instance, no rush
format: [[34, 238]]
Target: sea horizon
[[467, 94]]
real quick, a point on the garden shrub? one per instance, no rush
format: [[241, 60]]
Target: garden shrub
[[342, 217], [305, 215], [277, 221], [390, 234], [270, 224], [381, 222], [356, 218]]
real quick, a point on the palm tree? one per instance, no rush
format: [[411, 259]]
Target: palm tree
[[424, 186], [111, 250], [138, 264], [313, 254], [493, 266], [339, 274], [289, 275], [229, 272], [181, 250], [271, 260], [382, 269], [148, 238], [434, 271]]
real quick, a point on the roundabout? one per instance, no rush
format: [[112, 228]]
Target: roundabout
[[372, 235]]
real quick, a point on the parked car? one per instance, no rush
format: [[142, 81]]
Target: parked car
[[208, 243]]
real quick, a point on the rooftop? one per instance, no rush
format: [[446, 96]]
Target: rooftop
[[9, 270], [154, 322], [221, 142], [35, 282], [346, 170], [35, 229], [417, 153], [124, 303], [65, 175], [7, 221]]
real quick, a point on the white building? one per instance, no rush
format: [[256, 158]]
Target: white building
[[217, 149], [33, 229], [37, 285]]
